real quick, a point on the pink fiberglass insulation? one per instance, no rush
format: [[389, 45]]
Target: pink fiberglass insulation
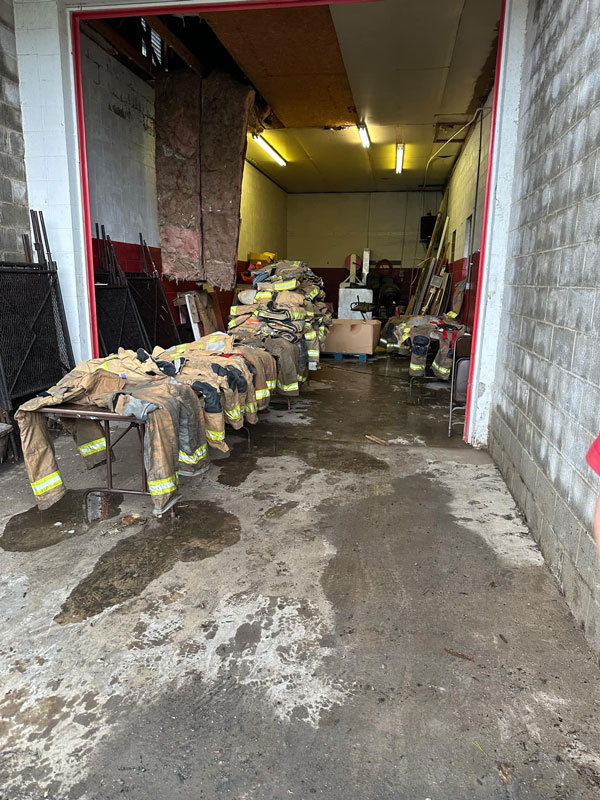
[[200, 149], [226, 105], [178, 120]]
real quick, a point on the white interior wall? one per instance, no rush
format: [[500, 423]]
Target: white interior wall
[[120, 143], [51, 155], [264, 215], [324, 229], [463, 182]]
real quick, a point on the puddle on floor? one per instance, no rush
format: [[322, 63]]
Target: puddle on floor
[[317, 455], [34, 529], [199, 530]]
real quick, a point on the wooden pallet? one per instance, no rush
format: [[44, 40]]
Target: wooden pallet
[[341, 356]]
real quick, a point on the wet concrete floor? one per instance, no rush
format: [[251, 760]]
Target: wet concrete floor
[[322, 617]]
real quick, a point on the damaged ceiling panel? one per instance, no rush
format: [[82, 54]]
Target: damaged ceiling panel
[[292, 56]]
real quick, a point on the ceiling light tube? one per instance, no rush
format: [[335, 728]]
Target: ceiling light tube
[[364, 135], [399, 158], [269, 150]]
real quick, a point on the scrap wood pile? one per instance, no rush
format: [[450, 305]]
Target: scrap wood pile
[[185, 395], [285, 305], [434, 286]]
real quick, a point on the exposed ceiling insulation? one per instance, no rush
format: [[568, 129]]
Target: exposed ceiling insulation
[[293, 58]]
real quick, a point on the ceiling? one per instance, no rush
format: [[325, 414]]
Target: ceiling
[[293, 58], [402, 66]]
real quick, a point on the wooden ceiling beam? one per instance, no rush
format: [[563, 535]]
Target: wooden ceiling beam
[[173, 41], [121, 44]]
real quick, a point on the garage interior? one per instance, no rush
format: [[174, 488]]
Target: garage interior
[[349, 603], [333, 196]]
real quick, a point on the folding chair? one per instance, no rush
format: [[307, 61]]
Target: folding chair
[[459, 381]]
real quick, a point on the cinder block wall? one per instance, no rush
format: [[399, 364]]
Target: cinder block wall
[[14, 215], [546, 410]]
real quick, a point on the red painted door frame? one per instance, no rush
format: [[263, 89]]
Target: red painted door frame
[[78, 16], [485, 221]]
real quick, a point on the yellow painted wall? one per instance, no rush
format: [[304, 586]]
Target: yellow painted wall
[[264, 215], [461, 187], [325, 228]]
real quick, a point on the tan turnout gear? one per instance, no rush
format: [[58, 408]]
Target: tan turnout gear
[[421, 339], [174, 433], [448, 336]]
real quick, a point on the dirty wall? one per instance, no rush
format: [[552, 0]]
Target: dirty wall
[[119, 134], [546, 408]]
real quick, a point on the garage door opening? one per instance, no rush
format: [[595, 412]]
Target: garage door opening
[[365, 156]]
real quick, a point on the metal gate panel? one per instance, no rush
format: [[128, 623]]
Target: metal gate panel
[[34, 342], [119, 324], [153, 308]]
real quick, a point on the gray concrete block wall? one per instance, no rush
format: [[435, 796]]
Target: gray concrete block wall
[[120, 141], [14, 214], [546, 411]]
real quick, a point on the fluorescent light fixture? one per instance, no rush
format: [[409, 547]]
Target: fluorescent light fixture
[[399, 158], [364, 135], [269, 150]]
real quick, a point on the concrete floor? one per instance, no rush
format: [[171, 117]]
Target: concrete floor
[[324, 617]]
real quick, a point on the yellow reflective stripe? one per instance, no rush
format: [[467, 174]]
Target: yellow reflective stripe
[[452, 314], [215, 436], [302, 378], [251, 408], [313, 293], [92, 447], [180, 349], [197, 455], [234, 413], [45, 484], [416, 368], [310, 335], [310, 314], [272, 384], [287, 387], [231, 324], [233, 310], [313, 353], [441, 370], [298, 314], [262, 393], [284, 286], [164, 485], [382, 340], [263, 295]]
